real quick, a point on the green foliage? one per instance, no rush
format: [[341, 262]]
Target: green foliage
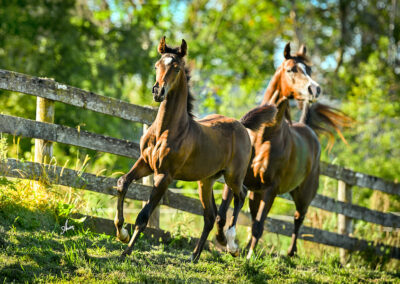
[[374, 102]]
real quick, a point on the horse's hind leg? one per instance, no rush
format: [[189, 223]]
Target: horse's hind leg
[[302, 197], [210, 211], [227, 196], [254, 204], [161, 182], [239, 195], [140, 169], [267, 199]]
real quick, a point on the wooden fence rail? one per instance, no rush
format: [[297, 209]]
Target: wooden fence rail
[[68, 135], [58, 133], [49, 90], [67, 177]]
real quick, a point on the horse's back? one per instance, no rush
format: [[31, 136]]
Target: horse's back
[[229, 136], [224, 126]]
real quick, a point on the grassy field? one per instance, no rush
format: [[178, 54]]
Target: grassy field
[[33, 249]]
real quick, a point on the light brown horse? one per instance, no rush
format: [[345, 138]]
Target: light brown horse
[[178, 147], [285, 156]]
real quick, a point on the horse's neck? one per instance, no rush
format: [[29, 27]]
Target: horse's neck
[[275, 94], [273, 87], [172, 114], [304, 112]]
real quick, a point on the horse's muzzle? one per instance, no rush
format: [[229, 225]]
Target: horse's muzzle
[[158, 94], [314, 91]]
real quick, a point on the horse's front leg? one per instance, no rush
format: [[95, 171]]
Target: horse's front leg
[[227, 196], [140, 169], [161, 182]]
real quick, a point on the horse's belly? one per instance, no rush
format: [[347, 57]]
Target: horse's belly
[[294, 177], [194, 176], [287, 186]]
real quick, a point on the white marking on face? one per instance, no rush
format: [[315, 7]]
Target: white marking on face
[[303, 68], [167, 60]]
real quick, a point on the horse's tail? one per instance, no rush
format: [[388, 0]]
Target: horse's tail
[[324, 119], [258, 116]]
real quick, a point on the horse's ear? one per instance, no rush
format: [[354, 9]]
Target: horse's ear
[[302, 50], [183, 49], [286, 52], [162, 45]]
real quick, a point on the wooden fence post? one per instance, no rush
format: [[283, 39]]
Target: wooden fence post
[[154, 220], [344, 223], [43, 148]]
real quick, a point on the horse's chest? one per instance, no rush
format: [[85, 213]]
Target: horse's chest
[[156, 152], [162, 154]]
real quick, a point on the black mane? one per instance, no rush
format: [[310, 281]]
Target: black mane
[[190, 98]]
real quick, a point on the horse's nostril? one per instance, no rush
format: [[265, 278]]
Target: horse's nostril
[[310, 90], [318, 91], [162, 91]]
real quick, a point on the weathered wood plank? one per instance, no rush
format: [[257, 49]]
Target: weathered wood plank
[[353, 211], [68, 177], [331, 239], [43, 148], [320, 201], [63, 134], [359, 179], [106, 226], [44, 113], [344, 222], [63, 176], [49, 89]]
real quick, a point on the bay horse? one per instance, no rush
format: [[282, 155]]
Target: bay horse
[[285, 156], [176, 146]]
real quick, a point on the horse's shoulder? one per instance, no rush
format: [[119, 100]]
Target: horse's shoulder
[[304, 130]]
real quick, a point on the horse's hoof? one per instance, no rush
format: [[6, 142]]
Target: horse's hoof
[[123, 235], [233, 249], [193, 259], [235, 253], [292, 252], [122, 257]]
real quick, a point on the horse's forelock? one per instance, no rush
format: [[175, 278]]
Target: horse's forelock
[[303, 59]]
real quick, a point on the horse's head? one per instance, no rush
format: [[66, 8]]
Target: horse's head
[[295, 76], [168, 69]]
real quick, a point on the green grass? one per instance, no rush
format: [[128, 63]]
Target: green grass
[[32, 249]]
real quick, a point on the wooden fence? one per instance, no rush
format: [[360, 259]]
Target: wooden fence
[[47, 91]]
